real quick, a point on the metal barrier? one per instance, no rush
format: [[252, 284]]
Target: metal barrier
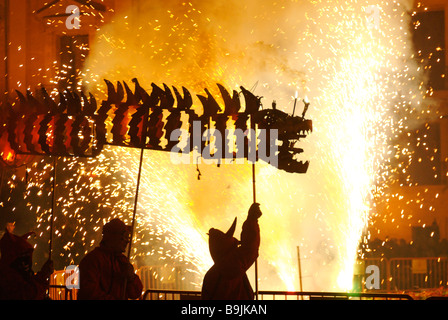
[[416, 273], [61, 292], [411, 273], [58, 290], [159, 277], [159, 294], [396, 274], [151, 276]]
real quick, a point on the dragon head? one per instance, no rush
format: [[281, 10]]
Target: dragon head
[[290, 130]]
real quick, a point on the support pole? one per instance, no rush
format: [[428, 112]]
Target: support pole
[[253, 127], [143, 145], [300, 270], [53, 207], [142, 151], [135, 202], [255, 200], [6, 49], [133, 216]]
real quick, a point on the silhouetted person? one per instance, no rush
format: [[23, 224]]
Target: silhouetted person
[[10, 226], [105, 273], [227, 279], [17, 279]]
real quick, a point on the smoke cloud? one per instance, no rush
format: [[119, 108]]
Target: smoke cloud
[[354, 73]]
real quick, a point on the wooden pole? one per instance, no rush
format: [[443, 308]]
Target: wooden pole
[[6, 48], [294, 109], [300, 270], [136, 201], [134, 215], [143, 145], [53, 207], [254, 195], [255, 200], [142, 151]]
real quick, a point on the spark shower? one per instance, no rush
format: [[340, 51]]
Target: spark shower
[[357, 77]]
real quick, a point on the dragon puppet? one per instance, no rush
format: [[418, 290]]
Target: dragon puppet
[[77, 126]]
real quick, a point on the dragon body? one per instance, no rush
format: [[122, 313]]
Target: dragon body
[[163, 119]]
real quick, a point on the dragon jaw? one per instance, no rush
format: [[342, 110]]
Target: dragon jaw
[[290, 130]]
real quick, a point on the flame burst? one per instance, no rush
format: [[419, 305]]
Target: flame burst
[[357, 73]]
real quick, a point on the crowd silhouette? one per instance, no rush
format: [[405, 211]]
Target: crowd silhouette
[[425, 242]]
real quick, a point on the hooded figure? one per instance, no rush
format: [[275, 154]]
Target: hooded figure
[[227, 279], [105, 273], [17, 279]]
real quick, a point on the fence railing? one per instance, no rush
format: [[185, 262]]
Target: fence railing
[[160, 277], [395, 274], [411, 273], [58, 290], [160, 294]]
